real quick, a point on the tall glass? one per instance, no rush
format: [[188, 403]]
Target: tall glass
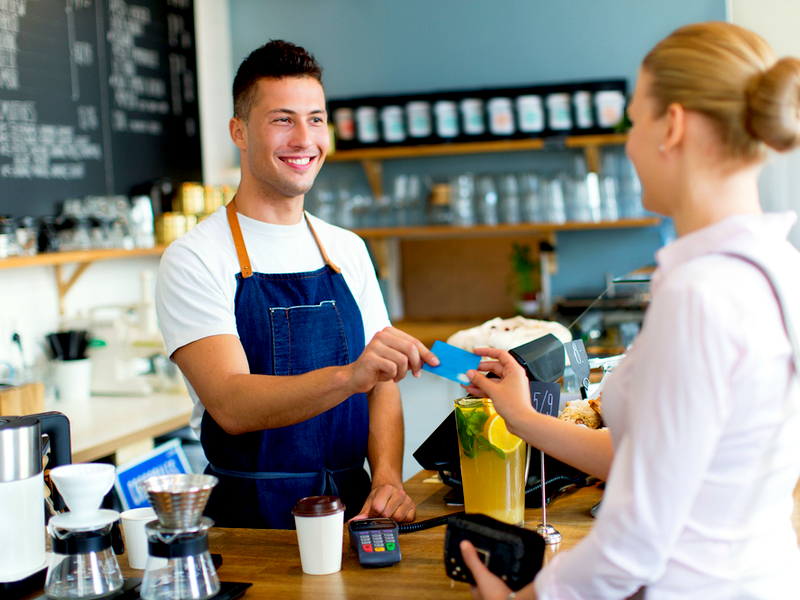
[[493, 462]]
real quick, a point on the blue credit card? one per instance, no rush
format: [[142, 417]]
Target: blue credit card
[[453, 362]]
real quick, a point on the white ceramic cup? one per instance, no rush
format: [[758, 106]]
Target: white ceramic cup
[[320, 530], [73, 379], [133, 522]]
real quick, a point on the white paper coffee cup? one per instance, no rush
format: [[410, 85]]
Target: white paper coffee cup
[[133, 522], [320, 530]]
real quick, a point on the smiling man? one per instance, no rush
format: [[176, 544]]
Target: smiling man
[[276, 321]]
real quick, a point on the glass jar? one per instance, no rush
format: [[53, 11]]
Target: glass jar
[[610, 105], [367, 124], [472, 116], [344, 123], [487, 200], [559, 116], [510, 210], [446, 112], [27, 236], [530, 113], [462, 200], [418, 116], [394, 130], [439, 211], [501, 116], [493, 462], [7, 236], [530, 198]]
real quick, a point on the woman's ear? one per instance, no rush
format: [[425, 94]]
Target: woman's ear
[[676, 127], [238, 130]]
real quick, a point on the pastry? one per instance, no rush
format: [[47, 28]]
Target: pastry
[[506, 334], [581, 412]]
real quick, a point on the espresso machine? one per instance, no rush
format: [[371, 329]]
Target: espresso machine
[[27, 445]]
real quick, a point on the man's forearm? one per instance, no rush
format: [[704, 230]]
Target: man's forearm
[[255, 402], [386, 438]]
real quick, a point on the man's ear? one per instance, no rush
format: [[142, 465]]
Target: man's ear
[[238, 130], [676, 126]]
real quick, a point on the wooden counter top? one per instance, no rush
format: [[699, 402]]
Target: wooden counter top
[[270, 560]]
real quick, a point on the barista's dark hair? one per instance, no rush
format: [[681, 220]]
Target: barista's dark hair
[[274, 60]]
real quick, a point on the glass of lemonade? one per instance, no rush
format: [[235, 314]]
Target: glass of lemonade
[[493, 462]]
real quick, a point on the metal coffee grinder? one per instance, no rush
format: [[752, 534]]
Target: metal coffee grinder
[[83, 565], [179, 565]]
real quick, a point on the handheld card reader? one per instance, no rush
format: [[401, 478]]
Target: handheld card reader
[[376, 542]]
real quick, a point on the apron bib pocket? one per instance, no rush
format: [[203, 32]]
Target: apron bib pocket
[[296, 328]]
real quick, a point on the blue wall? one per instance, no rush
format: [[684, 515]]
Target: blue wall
[[401, 46]]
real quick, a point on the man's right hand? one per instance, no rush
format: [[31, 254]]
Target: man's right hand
[[389, 356]]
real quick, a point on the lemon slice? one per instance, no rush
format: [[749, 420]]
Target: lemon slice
[[498, 435]]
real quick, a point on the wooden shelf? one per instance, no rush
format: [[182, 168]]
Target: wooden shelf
[[433, 232], [371, 159], [77, 256], [83, 258], [494, 146]]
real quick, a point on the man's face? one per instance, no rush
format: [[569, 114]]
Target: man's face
[[285, 138]]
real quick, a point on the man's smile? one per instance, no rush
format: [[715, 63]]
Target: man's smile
[[299, 161]]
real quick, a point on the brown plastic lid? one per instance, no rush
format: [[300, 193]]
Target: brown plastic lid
[[317, 506]]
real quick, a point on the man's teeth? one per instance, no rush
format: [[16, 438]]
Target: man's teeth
[[298, 161]]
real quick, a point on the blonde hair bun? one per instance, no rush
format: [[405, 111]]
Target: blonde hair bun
[[730, 75], [773, 105]]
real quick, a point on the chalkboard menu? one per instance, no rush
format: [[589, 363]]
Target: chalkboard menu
[[96, 97]]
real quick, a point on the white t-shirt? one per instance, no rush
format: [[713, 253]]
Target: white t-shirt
[[704, 413], [196, 285]]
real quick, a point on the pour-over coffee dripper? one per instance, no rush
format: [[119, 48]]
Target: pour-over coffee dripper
[[179, 565], [84, 565], [179, 499]]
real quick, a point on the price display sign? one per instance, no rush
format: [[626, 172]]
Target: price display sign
[[579, 362], [545, 397]]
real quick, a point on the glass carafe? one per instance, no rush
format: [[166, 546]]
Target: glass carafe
[[83, 565], [179, 565]]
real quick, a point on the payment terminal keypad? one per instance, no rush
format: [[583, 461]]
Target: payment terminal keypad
[[376, 542]]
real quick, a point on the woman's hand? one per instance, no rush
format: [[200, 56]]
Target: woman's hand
[[510, 393], [489, 586]]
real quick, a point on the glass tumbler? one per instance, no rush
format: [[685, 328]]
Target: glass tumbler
[[493, 462]]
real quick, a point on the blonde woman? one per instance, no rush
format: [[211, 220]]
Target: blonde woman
[[703, 449]]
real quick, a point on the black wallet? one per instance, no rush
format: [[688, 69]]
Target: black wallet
[[512, 553]]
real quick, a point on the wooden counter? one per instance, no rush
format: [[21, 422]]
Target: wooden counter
[[103, 425], [269, 559]]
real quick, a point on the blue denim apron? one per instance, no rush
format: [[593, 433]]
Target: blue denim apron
[[290, 324]]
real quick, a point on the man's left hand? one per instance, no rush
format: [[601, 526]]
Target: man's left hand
[[388, 501]]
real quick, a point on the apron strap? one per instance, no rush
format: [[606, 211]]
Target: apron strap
[[238, 240], [327, 260], [241, 250]]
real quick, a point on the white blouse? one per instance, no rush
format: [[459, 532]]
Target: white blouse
[[704, 413]]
